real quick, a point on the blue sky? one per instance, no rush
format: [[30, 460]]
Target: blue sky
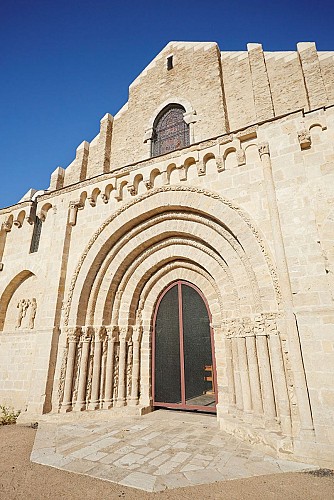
[[64, 64]]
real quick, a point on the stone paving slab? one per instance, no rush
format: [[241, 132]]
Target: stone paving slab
[[162, 450]]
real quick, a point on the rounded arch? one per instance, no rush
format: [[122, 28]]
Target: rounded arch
[[120, 226], [170, 131], [171, 100], [7, 294]]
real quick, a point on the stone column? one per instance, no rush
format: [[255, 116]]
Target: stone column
[[287, 299], [280, 382], [82, 386], [244, 375], [265, 371], [95, 396], [108, 393], [230, 374], [238, 391], [136, 338], [72, 335], [122, 367], [254, 375]]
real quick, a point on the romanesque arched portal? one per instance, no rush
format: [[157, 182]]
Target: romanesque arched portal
[[181, 234]]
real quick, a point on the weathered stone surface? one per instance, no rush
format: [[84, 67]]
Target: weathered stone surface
[[240, 206]]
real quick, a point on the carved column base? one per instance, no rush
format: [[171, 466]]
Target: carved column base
[[133, 402], [80, 406], [93, 405], [106, 405], [66, 408], [120, 403]]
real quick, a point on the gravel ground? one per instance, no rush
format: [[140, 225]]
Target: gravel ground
[[21, 479]]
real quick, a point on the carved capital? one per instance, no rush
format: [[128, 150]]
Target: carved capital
[[148, 134], [263, 148], [73, 333], [190, 117], [99, 333], [304, 138], [247, 327], [112, 332], [87, 333], [259, 325], [125, 332]]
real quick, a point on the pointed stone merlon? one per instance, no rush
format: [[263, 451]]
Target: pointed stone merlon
[[263, 102], [100, 149], [106, 125], [81, 159], [315, 87], [57, 179]]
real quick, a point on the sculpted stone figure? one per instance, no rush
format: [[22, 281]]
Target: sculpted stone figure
[[32, 314], [22, 306]]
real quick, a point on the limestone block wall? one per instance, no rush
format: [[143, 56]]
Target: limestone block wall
[[220, 91], [245, 214]]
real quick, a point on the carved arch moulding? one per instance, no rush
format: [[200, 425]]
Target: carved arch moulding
[[159, 200]]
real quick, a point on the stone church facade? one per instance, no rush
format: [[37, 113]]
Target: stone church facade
[[202, 213]]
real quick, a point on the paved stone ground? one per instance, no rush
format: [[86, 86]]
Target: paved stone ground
[[161, 450]]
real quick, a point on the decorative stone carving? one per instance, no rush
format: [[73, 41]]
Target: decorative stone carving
[[17, 223], [92, 201], [31, 213], [7, 225], [200, 168], [148, 184], [129, 367], [263, 149], [190, 117], [186, 189], [148, 135], [104, 198], [241, 157], [304, 138], [74, 206], [22, 306], [220, 164], [182, 173], [33, 308], [73, 333], [131, 189]]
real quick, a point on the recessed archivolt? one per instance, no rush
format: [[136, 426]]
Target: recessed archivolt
[[182, 270], [187, 225], [126, 217], [166, 251], [151, 258]]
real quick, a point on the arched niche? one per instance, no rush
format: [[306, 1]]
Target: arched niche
[[18, 303]]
